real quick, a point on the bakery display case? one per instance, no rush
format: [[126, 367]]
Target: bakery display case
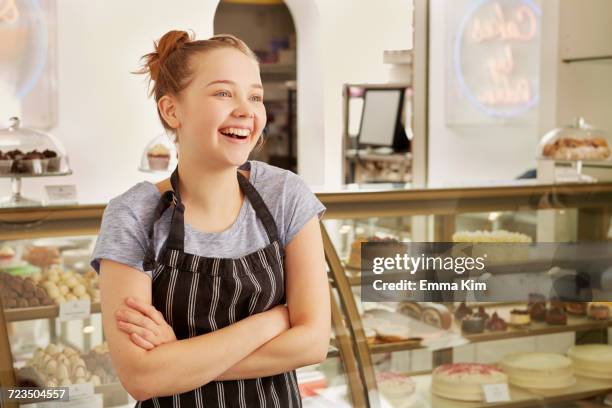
[[50, 323], [538, 351]]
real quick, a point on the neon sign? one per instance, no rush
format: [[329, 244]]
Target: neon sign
[[495, 56]]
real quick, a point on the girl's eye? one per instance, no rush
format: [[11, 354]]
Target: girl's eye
[[257, 98], [223, 93]]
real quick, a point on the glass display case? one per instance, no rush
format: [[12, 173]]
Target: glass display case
[[50, 323], [447, 353]]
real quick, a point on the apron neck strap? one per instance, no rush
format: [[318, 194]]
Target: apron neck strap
[[176, 236]]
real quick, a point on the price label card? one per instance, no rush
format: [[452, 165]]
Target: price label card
[[496, 392], [62, 193], [75, 309], [77, 391]]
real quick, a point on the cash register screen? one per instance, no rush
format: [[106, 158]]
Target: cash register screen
[[381, 109]]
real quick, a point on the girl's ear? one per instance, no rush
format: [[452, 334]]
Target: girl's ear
[[168, 110]]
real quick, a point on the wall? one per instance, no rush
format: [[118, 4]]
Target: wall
[[474, 153], [105, 119]]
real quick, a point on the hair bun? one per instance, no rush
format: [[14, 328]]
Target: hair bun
[[166, 45]]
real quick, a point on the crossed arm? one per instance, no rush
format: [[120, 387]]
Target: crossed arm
[[144, 350]]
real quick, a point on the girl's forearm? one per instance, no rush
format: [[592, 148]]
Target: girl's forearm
[[299, 346], [184, 365]]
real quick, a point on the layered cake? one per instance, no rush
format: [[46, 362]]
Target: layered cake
[[397, 389], [576, 308], [498, 236], [502, 246], [539, 370], [520, 317], [592, 360], [472, 324], [464, 381], [569, 148], [556, 316], [599, 311]]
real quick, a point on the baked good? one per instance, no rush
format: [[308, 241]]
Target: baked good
[[6, 163], [556, 316], [370, 335], [538, 370], [390, 332], [20, 292], [570, 148], [599, 311], [464, 381], [66, 285], [60, 366], [436, 315], [534, 298], [354, 260], [537, 312], [592, 360], [482, 313], [472, 324], [410, 309], [158, 157], [54, 160], [462, 311], [520, 317], [576, 308], [7, 255], [42, 256], [98, 361], [496, 323], [496, 254], [396, 388]]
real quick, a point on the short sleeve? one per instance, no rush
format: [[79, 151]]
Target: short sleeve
[[302, 205], [122, 237]]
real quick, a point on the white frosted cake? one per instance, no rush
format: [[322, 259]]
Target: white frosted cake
[[501, 246], [464, 381], [539, 370], [396, 388], [592, 360]]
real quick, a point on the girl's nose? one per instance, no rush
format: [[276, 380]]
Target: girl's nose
[[244, 109]]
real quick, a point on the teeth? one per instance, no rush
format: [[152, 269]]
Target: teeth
[[236, 131]]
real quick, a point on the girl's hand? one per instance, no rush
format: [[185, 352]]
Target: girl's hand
[[144, 324]]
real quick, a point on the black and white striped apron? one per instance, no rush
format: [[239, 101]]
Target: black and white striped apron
[[198, 295]]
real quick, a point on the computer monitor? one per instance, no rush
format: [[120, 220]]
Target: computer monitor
[[380, 119]]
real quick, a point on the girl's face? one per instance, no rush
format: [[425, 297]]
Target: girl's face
[[221, 112]]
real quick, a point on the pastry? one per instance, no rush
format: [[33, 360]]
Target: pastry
[[158, 157], [576, 308], [392, 332], [496, 323], [592, 360], [410, 309], [7, 255], [396, 388], [570, 148], [556, 316], [498, 236], [354, 260], [54, 161], [599, 311], [436, 315], [534, 298], [472, 324], [462, 311], [519, 317], [464, 381], [370, 335], [538, 370], [42, 256], [19, 292], [537, 312], [6, 163], [482, 313]]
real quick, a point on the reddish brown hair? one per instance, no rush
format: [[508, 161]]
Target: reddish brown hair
[[169, 68]]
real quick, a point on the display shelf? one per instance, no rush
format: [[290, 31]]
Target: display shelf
[[40, 312], [519, 397]]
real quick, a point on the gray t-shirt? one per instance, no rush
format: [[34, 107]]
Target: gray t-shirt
[[123, 233]]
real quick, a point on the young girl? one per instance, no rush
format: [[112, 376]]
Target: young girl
[[213, 282]]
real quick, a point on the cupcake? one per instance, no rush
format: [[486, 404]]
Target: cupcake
[[31, 163], [556, 316], [159, 157], [6, 163], [54, 161], [496, 323]]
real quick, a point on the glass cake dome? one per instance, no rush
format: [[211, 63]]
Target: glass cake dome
[[159, 156], [576, 142], [26, 152]]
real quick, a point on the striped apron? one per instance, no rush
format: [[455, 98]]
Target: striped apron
[[198, 295]]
